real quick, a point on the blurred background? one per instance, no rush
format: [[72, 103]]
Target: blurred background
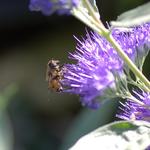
[[31, 116]]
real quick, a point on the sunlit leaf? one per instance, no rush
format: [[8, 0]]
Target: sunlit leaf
[[120, 135], [133, 17]]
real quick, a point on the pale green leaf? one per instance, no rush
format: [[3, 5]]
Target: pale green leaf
[[121, 135]]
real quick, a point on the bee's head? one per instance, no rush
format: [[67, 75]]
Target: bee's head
[[53, 63]]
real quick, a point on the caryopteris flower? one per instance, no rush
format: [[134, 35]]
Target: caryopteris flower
[[99, 69], [134, 41], [92, 75], [133, 111], [47, 7]]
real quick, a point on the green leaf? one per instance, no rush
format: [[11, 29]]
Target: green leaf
[[121, 135], [133, 17]]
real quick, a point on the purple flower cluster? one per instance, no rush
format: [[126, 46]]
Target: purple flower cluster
[[134, 111], [93, 73], [97, 63], [48, 7], [135, 42]]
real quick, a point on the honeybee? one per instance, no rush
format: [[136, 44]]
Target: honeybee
[[54, 75]]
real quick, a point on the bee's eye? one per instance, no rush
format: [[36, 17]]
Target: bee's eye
[[51, 65]]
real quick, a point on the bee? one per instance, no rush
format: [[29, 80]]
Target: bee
[[54, 75]]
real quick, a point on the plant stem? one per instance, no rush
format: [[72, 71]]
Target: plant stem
[[93, 14], [88, 20], [91, 11]]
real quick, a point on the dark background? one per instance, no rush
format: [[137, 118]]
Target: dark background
[[31, 117]]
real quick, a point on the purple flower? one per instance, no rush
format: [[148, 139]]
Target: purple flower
[[92, 75], [98, 65], [47, 7], [133, 111], [135, 42]]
